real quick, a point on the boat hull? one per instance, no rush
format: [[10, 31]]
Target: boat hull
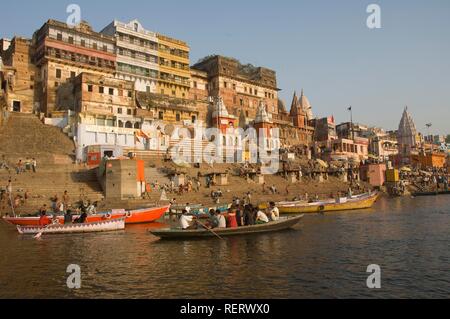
[[139, 216], [282, 224], [360, 203], [92, 227]]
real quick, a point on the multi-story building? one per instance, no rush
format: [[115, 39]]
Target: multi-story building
[[383, 145], [174, 72], [356, 149], [137, 54], [103, 111], [242, 87], [17, 74], [63, 52], [199, 94], [350, 130]]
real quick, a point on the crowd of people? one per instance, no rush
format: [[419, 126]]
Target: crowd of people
[[237, 216], [62, 207]]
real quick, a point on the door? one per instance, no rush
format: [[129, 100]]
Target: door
[[16, 106]]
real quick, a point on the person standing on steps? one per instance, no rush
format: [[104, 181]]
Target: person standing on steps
[[34, 164]]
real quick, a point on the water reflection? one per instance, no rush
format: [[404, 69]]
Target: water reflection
[[326, 256]]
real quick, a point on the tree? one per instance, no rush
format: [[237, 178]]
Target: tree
[[447, 140]]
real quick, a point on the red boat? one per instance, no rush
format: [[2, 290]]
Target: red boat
[[138, 216]]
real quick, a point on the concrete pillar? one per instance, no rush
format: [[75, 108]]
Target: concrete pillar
[[260, 179], [320, 178], [292, 178]]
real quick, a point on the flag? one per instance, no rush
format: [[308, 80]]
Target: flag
[[136, 138]]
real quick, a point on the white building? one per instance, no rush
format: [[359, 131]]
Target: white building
[[137, 54]]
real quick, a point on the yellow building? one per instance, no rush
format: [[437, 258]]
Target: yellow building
[[174, 78]]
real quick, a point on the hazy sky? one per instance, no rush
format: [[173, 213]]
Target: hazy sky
[[322, 46]]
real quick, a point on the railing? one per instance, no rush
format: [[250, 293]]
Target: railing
[[79, 59], [128, 27], [84, 44]]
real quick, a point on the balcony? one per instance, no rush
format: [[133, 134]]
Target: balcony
[[83, 44]]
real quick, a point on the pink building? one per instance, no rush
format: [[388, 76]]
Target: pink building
[[374, 174], [346, 149]]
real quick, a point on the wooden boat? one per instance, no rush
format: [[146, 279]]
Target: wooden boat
[[357, 202], [103, 226], [138, 216], [282, 224], [420, 194]]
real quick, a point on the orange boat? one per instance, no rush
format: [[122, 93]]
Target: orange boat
[[138, 216]]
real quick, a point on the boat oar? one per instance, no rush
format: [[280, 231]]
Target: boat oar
[[210, 230], [39, 235]]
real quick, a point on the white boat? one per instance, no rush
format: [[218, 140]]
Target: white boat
[[103, 226]]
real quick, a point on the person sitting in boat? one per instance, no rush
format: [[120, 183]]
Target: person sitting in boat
[[222, 220], [249, 218], [68, 217], [82, 219], [92, 209], [43, 219], [186, 221], [213, 221], [261, 218], [274, 212], [231, 219]]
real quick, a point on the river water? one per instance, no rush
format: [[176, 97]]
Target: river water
[[324, 257]]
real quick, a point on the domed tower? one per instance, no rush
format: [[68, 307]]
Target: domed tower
[[306, 106], [298, 115], [406, 137]]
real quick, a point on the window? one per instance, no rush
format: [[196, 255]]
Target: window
[[94, 46], [101, 89], [161, 115], [148, 89], [111, 91], [173, 92], [105, 48], [58, 73], [234, 86], [100, 121], [130, 94], [195, 84], [73, 74], [136, 27], [129, 111], [119, 110], [71, 40], [83, 43], [178, 117], [194, 119], [90, 88], [59, 37], [225, 85], [241, 102]]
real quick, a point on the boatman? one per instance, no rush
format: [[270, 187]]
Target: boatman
[[186, 221]]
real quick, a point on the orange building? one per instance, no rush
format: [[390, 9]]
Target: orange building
[[436, 160]]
